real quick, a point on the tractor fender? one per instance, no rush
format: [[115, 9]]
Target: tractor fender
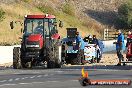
[[55, 36]]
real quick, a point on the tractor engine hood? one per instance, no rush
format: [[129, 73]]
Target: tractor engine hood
[[35, 40]]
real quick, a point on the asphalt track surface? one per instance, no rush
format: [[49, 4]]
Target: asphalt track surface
[[66, 77]]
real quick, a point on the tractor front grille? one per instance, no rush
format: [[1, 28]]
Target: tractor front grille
[[32, 42], [32, 54], [33, 45]]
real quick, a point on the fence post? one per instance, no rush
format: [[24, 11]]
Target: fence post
[[106, 35]]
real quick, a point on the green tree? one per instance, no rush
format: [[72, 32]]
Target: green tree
[[125, 15]]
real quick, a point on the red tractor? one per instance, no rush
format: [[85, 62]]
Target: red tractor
[[40, 43]]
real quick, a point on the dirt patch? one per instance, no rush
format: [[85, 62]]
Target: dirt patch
[[6, 64], [110, 58]]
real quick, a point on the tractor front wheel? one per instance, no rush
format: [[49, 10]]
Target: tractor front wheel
[[16, 58]]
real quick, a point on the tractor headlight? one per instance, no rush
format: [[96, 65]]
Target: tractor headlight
[[36, 46], [32, 44]]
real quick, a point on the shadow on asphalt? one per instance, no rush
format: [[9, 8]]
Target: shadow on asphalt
[[96, 67]]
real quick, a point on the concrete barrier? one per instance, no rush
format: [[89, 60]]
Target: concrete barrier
[[109, 46], [6, 52]]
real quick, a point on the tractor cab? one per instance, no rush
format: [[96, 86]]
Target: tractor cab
[[39, 29], [40, 24]]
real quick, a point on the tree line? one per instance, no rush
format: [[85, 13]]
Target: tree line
[[124, 20]]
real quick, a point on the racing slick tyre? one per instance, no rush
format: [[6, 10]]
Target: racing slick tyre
[[16, 58], [77, 60]]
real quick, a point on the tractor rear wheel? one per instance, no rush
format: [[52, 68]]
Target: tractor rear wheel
[[27, 64], [50, 64], [57, 54], [57, 57], [16, 58], [50, 58]]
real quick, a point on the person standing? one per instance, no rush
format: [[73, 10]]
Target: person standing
[[120, 47], [81, 45], [98, 51], [95, 40], [128, 37]]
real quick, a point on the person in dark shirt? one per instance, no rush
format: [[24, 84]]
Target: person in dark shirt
[[96, 42]]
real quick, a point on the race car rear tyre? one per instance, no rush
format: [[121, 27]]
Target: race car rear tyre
[[50, 64], [76, 61]]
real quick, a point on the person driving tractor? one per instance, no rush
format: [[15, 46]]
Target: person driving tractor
[[39, 28]]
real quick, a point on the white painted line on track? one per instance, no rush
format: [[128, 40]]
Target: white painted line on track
[[36, 72], [16, 73], [32, 77], [51, 74], [52, 81], [8, 84], [3, 81], [37, 82], [22, 78], [59, 71], [34, 83], [39, 76], [74, 80], [26, 77], [46, 75], [72, 69], [17, 79], [25, 83], [10, 80]]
